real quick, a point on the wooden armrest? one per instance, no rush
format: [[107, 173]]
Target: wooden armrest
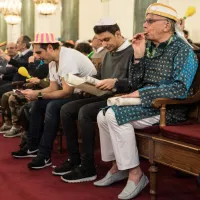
[[157, 103], [162, 102]]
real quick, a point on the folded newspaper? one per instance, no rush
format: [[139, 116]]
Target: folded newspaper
[[86, 84], [123, 101]]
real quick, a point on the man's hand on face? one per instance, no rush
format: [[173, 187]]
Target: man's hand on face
[[31, 59], [4, 56], [106, 84], [139, 45], [29, 94], [134, 94]]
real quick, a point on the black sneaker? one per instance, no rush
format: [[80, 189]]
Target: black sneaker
[[80, 174], [39, 162], [65, 168], [25, 153]]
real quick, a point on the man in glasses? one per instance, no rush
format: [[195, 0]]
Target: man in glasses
[[170, 66]]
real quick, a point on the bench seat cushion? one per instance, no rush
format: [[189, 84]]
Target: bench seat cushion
[[185, 133]]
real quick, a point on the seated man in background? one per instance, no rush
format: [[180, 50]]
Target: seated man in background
[[7, 71], [23, 46], [11, 101], [45, 112], [84, 48], [99, 50], [114, 66], [170, 66]]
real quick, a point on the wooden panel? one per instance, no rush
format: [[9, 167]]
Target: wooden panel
[[177, 157], [143, 147]]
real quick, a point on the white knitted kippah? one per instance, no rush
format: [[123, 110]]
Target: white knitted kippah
[[106, 21]]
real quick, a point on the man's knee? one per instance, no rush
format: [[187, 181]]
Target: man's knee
[[110, 115], [12, 100], [66, 111], [53, 109], [4, 99], [101, 118], [85, 112]]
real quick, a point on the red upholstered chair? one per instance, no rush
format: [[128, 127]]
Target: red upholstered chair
[[175, 146]]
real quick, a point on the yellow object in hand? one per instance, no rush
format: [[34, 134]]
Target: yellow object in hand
[[3, 44], [190, 11], [23, 71]]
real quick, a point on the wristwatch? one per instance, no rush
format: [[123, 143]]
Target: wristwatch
[[40, 96]]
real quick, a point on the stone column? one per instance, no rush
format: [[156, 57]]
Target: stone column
[[3, 29], [139, 14], [70, 20], [28, 18]]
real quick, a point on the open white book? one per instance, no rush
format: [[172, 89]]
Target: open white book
[[86, 84], [123, 101]]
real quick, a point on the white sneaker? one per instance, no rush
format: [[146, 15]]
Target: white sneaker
[[13, 132], [5, 128]]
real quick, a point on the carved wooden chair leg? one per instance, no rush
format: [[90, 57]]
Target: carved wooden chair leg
[[153, 180]]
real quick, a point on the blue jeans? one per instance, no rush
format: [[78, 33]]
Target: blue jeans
[[44, 123]]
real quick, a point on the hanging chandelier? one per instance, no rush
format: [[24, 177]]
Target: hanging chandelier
[[12, 11], [46, 7]]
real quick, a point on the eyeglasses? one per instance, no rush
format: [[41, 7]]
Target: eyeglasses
[[151, 21]]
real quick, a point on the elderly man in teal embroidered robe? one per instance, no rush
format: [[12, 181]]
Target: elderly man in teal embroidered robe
[[170, 66]]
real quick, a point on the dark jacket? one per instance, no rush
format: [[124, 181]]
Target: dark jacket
[[21, 61]]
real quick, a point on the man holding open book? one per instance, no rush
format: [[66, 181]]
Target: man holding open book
[[114, 67]]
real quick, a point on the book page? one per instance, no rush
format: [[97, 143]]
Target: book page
[[81, 84], [73, 80], [91, 80]]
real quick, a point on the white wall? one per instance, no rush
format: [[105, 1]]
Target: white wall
[[90, 11], [192, 23], [13, 32], [49, 23], [93, 10], [121, 10]]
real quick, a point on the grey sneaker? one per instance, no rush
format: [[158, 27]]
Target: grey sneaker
[[5, 128], [13, 132], [111, 178], [132, 190]]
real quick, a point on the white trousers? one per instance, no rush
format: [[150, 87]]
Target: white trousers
[[118, 142]]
